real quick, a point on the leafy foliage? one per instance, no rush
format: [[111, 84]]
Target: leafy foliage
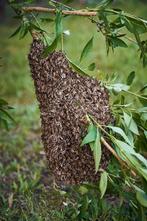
[[5, 116]]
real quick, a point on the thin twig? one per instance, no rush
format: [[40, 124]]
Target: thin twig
[[122, 163], [83, 12], [112, 151]]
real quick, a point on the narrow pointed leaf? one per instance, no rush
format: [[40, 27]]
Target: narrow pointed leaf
[[86, 49], [131, 124], [130, 78], [91, 67], [103, 183], [141, 197], [58, 22], [15, 32], [49, 49], [91, 136], [77, 68], [121, 133], [97, 151]]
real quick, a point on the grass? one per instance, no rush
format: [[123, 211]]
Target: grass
[[26, 191]]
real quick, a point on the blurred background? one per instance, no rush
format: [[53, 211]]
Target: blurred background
[[20, 147]]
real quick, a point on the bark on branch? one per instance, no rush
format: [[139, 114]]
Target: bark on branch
[[64, 12]]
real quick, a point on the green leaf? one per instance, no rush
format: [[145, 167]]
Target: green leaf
[[83, 190], [35, 27], [97, 151], [124, 146], [86, 49], [144, 117], [145, 133], [3, 102], [104, 3], [141, 196], [49, 49], [58, 22], [143, 100], [139, 26], [92, 66], [118, 87], [117, 42], [23, 32], [144, 173], [121, 133], [15, 32], [67, 1], [130, 78], [7, 114], [128, 24], [4, 123], [131, 124], [47, 19], [144, 88], [91, 136], [134, 159], [103, 183], [77, 68]]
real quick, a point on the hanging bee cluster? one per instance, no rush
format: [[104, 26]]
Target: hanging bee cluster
[[65, 98]]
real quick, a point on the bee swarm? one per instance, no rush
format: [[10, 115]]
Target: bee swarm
[[65, 98]]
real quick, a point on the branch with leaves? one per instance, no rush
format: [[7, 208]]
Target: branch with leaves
[[112, 23], [128, 136]]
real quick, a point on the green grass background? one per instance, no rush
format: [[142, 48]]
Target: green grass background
[[25, 183]]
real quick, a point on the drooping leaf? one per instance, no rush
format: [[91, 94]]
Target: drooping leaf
[[24, 31], [47, 19], [91, 136], [117, 42], [130, 123], [3, 102], [58, 23], [97, 151], [121, 133], [138, 25], [144, 173], [77, 68], [86, 49], [92, 66], [49, 49], [7, 114], [134, 159], [141, 196], [83, 190], [103, 183], [15, 32], [104, 3], [124, 146], [36, 27], [130, 78], [143, 100], [144, 88], [145, 133], [118, 87], [142, 160]]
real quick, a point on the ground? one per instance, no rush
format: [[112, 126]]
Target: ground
[[26, 191]]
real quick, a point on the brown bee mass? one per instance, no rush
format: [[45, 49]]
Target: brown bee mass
[[65, 98]]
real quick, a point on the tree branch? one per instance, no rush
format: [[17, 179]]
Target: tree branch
[[53, 11], [122, 163]]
